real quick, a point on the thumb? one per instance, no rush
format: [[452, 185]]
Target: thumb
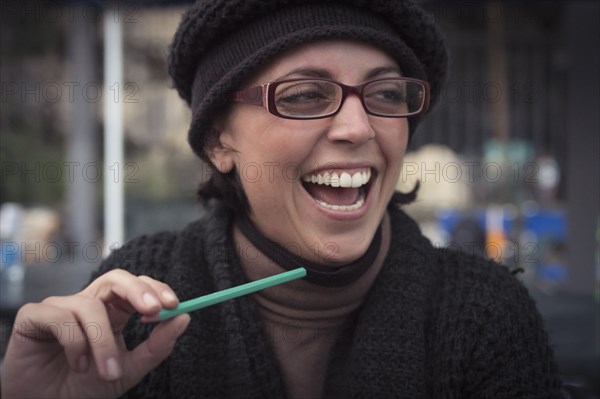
[[150, 353]]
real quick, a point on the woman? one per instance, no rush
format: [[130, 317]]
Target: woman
[[304, 109]]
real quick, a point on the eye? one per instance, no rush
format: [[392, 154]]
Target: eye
[[305, 96], [391, 95], [302, 93]]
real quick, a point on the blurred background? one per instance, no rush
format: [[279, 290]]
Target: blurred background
[[93, 150]]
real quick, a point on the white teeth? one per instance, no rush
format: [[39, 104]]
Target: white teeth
[[345, 180], [359, 203], [358, 179], [335, 180]]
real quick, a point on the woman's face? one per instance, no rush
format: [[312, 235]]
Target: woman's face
[[275, 157]]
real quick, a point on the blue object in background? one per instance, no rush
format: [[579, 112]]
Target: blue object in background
[[547, 227], [9, 254], [556, 272], [449, 219], [551, 224]]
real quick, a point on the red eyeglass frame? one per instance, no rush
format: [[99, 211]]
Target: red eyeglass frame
[[267, 99]]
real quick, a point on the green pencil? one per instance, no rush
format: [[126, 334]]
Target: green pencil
[[230, 293]]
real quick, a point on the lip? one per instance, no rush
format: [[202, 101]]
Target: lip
[[344, 215]]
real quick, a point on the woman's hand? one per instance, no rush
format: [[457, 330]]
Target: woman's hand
[[72, 346]]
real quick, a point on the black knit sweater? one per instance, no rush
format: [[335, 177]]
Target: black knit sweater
[[436, 324]]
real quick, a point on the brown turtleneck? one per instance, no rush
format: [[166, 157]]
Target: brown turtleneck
[[303, 319]]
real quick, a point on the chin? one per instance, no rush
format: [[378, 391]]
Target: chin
[[343, 251]]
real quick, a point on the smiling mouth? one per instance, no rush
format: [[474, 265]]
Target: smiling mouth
[[338, 190]]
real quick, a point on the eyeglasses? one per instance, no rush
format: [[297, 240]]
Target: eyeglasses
[[320, 98]]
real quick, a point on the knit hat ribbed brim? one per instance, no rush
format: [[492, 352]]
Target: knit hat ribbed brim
[[220, 44]]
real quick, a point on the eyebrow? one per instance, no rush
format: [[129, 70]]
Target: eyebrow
[[324, 73], [307, 71], [382, 71]]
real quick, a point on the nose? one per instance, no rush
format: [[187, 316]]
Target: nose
[[351, 124]]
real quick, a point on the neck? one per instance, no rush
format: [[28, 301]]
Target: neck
[[326, 276]]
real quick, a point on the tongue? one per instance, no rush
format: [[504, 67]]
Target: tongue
[[333, 195]]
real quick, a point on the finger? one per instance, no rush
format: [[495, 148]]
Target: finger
[[167, 296], [150, 353], [126, 291], [45, 323], [120, 311], [92, 316]]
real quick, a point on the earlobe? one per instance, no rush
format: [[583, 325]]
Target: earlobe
[[222, 156]]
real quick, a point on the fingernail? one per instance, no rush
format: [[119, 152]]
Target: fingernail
[[82, 364], [168, 295], [150, 300], [112, 368]]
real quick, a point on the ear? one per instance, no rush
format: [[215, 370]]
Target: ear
[[222, 154]]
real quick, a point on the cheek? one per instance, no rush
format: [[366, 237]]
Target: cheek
[[393, 143], [268, 169], [268, 153], [276, 147], [269, 165]]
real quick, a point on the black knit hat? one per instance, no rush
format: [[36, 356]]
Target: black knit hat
[[220, 43]]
